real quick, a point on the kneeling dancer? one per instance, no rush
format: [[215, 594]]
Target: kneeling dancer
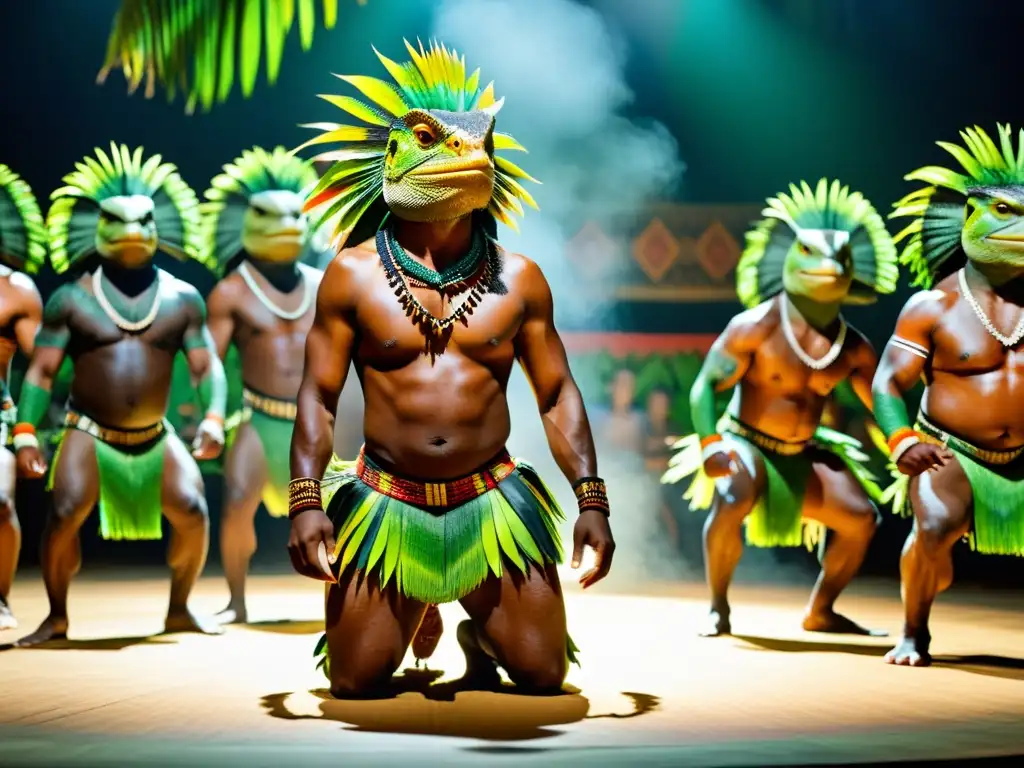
[[434, 313]]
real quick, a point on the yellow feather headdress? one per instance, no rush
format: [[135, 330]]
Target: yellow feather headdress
[[350, 194]]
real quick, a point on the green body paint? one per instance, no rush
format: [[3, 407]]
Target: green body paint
[[890, 412], [719, 366], [33, 403]]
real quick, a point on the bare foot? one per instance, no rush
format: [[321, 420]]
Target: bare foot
[[184, 621], [481, 669], [838, 624], [7, 620], [233, 615], [52, 628], [717, 624], [909, 652]]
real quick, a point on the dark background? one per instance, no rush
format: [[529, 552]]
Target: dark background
[[758, 93]]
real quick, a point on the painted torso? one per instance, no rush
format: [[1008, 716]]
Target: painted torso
[[123, 379], [434, 415], [272, 349], [779, 395], [975, 385]]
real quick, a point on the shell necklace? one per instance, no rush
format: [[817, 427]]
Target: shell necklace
[[307, 295], [830, 356], [113, 314], [1006, 341]]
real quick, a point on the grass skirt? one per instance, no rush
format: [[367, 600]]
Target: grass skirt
[[777, 517]]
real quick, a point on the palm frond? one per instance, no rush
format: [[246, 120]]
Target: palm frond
[[200, 47]]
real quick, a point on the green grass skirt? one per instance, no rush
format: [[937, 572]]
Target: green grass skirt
[[777, 518], [131, 487], [998, 491], [276, 438], [440, 557]]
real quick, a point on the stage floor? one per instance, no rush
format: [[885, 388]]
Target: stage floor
[[650, 692]]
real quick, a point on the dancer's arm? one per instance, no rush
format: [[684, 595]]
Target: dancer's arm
[[220, 309], [28, 314], [328, 356], [725, 365], [542, 355], [903, 363], [49, 348], [863, 373], [207, 372]]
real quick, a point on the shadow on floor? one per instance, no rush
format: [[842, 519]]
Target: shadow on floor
[[1006, 667], [96, 644], [284, 627], [417, 704]]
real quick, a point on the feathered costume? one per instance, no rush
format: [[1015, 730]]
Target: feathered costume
[[933, 251], [224, 213], [434, 542], [130, 479], [776, 520]]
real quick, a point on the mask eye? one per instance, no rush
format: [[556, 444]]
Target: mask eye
[[1002, 209], [804, 249], [424, 134]]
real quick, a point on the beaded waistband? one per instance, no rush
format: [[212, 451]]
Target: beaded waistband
[[760, 439], [128, 438], [450, 493], [941, 437], [285, 410]]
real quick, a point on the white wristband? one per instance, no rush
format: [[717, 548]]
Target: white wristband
[[213, 429], [25, 441], [711, 449], [903, 446]]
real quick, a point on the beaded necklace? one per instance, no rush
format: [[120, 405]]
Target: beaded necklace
[[457, 273], [412, 306], [119, 320]]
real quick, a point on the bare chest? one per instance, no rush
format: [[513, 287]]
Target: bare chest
[[257, 323], [389, 336], [93, 328], [964, 346], [777, 366]]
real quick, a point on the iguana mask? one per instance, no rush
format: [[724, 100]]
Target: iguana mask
[[828, 245], [976, 215], [429, 153], [22, 231], [123, 209], [255, 208]]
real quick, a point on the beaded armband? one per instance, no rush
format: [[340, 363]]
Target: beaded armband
[[303, 494], [591, 493], [25, 436], [901, 441]]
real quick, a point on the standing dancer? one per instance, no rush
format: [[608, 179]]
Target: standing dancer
[[960, 465], [259, 237], [434, 314], [22, 249], [768, 462], [122, 321]]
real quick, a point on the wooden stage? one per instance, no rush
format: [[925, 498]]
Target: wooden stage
[[649, 691]]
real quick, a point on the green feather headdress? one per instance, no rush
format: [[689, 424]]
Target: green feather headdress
[[933, 247], [828, 206], [22, 231], [350, 194], [75, 211], [257, 170]]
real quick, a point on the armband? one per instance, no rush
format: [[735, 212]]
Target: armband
[[709, 446], [909, 346], [592, 493], [25, 436], [303, 494], [901, 441]]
